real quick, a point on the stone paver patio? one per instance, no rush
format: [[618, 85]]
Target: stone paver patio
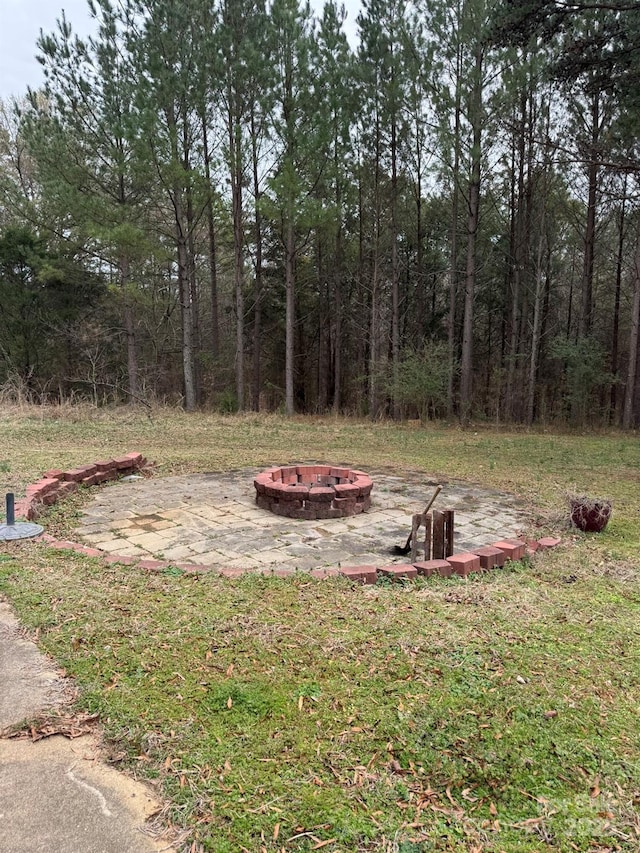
[[212, 520]]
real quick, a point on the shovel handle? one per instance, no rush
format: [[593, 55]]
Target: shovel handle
[[429, 505], [431, 502]]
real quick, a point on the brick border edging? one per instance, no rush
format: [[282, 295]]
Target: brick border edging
[[57, 484], [482, 559]]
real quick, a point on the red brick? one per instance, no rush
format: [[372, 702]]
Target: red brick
[[263, 502], [294, 493], [363, 574], [92, 480], [231, 573], [26, 509], [489, 556], [312, 471], [49, 499], [76, 474], [274, 490], [304, 514], [107, 465], [321, 494], [464, 564], [365, 485], [63, 545], [513, 548], [191, 568], [321, 574], [54, 474], [342, 473], [347, 490], [289, 508], [532, 546], [135, 458], [434, 567], [66, 488], [88, 552], [152, 565], [289, 471], [399, 572], [115, 559], [548, 542], [276, 573], [105, 476], [123, 463], [44, 486], [347, 507]]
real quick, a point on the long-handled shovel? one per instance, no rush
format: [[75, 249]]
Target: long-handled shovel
[[401, 550]]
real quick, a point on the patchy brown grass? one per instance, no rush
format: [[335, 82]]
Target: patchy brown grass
[[493, 714]]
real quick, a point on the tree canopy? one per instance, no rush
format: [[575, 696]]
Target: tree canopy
[[231, 205]]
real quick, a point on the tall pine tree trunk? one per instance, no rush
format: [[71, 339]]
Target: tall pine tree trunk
[[590, 231], [473, 214], [615, 333], [337, 297], [290, 281], [193, 291], [238, 244], [374, 320], [395, 271], [453, 272], [184, 292], [211, 236], [630, 414], [130, 332], [518, 258], [537, 324]]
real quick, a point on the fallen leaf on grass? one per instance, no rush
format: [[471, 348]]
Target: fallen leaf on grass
[[530, 821], [68, 726], [324, 843]]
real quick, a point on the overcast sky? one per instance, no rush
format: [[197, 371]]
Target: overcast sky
[[22, 20]]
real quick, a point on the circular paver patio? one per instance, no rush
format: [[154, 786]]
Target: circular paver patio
[[212, 519]]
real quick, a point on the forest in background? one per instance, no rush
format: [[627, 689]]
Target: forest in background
[[226, 204]]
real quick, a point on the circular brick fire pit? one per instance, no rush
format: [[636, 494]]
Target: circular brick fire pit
[[313, 491]]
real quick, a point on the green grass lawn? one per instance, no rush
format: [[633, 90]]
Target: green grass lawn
[[493, 714]]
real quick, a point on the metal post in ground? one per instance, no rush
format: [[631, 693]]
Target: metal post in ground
[[11, 511], [20, 530]]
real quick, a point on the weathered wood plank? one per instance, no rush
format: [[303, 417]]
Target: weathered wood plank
[[438, 535]]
